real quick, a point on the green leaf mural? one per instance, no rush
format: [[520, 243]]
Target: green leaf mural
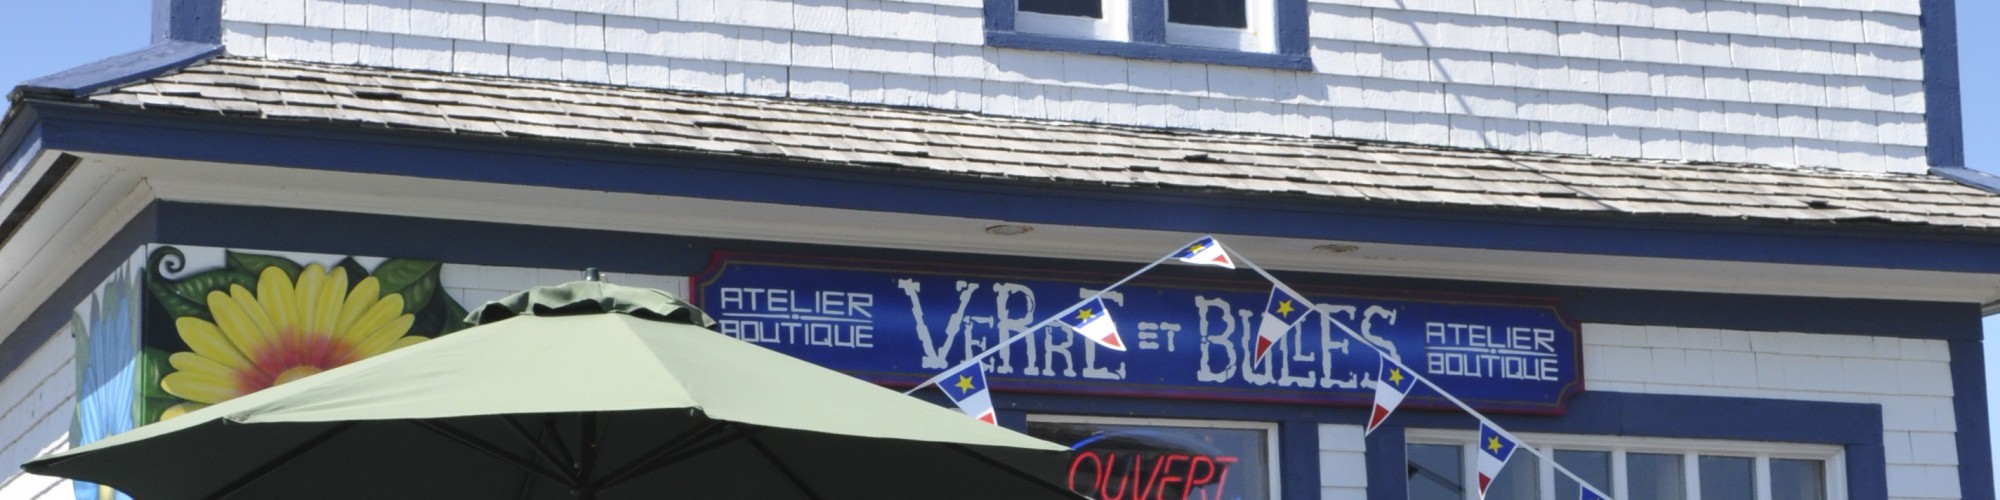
[[416, 280], [254, 264]]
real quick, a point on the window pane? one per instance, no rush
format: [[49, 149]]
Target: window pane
[[1728, 478], [1218, 13], [1798, 480], [1654, 477], [1519, 480], [1593, 466], [1435, 472], [1093, 9]]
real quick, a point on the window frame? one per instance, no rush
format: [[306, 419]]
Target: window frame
[[1832, 457], [1278, 27]]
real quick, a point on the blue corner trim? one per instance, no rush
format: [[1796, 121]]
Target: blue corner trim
[[1298, 450], [1388, 466], [196, 21], [999, 15], [1154, 51], [1974, 178], [1943, 117], [156, 60], [1968, 388], [1148, 33]]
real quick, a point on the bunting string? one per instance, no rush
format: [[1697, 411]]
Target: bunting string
[[1588, 490], [1045, 322], [1495, 457]]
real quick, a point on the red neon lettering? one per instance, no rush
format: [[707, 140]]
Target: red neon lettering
[[1221, 482], [1168, 477], [1104, 485], [1151, 482], [1194, 484], [1097, 478]]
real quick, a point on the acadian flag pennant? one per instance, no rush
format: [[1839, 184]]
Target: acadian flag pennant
[[1093, 321], [1280, 315], [1585, 493], [1494, 450], [1390, 387], [967, 389], [1205, 252]]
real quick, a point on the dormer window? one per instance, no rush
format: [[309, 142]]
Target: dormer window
[[1226, 24], [1085, 19], [1261, 33]]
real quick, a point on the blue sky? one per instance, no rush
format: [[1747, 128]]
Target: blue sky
[[39, 37]]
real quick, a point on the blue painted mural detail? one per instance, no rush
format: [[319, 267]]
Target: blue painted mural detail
[[106, 328], [898, 323]]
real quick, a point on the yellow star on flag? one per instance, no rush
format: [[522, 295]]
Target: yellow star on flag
[[1196, 248], [1396, 376], [964, 383], [1085, 315], [1493, 443], [1284, 308]]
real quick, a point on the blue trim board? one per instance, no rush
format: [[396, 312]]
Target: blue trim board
[[494, 244], [442, 156], [198, 21], [1968, 388], [1943, 117], [1855, 427], [1148, 34], [156, 60]]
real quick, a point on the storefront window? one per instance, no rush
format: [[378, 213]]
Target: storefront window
[[1147, 458], [1728, 478], [1798, 479], [1653, 476], [1593, 466], [1627, 468], [1436, 472]]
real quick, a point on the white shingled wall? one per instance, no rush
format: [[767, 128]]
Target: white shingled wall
[[1911, 379], [1828, 83], [41, 393]]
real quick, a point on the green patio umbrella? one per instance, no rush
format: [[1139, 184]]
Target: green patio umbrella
[[585, 390]]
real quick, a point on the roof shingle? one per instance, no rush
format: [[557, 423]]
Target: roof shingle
[[1047, 151]]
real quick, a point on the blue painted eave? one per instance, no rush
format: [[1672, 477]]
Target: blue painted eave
[[158, 59], [77, 128]]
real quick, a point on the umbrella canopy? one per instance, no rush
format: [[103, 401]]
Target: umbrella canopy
[[585, 390]]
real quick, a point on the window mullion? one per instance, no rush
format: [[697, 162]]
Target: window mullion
[[1547, 474], [1691, 475], [1618, 477], [1764, 477]]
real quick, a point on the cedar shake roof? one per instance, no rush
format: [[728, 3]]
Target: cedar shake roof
[[842, 135]]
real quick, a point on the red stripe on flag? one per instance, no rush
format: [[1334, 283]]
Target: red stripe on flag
[[1381, 414], [1263, 344]]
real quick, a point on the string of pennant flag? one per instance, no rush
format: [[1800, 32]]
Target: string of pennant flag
[[965, 383]]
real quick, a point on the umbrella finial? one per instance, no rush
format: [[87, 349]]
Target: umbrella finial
[[591, 274]]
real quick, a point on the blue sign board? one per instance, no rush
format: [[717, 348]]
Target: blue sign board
[[899, 323]]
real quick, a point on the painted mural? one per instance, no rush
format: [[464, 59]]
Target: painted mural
[[244, 321], [110, 391], [179, 328]]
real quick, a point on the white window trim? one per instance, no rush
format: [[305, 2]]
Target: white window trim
[[1273, 466], [1259, 35], [1690, 450], [1116, 25]]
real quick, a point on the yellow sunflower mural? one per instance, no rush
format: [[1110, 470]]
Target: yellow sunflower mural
[[283, 331]]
